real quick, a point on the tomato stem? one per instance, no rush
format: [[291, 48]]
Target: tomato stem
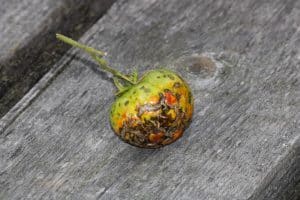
[[97, 56]]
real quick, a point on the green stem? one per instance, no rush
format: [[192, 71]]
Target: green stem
[[74, 43], [105, 67], [97, 56]]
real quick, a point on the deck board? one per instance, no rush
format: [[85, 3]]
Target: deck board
[[28, 48], [243, 142]]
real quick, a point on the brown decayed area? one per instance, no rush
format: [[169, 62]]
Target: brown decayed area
[[156, 124]]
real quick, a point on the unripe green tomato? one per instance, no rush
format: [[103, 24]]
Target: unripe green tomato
[[155, 111]]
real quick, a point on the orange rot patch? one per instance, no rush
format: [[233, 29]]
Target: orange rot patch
[[124, 116], [155, 137], [170, 99], [177, 134]]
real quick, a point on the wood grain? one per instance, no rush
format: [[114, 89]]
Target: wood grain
[[28, 47], [243, 142]]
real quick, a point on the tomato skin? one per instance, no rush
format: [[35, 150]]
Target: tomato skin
[[155, 111]]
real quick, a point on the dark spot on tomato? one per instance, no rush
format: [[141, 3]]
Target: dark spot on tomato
[[164, 76], [119, 104], [126, 103], [158, 77], [134, 91], [145, 89], [177, 85], [171, 76]]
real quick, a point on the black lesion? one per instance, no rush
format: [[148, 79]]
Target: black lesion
[[145, 89], [171, 77], [126, 103]]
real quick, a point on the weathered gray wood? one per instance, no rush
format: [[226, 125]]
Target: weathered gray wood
[[28, 47], [243, 142]]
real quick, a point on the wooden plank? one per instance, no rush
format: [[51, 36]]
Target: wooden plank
[[243, 142], [28, 48]]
